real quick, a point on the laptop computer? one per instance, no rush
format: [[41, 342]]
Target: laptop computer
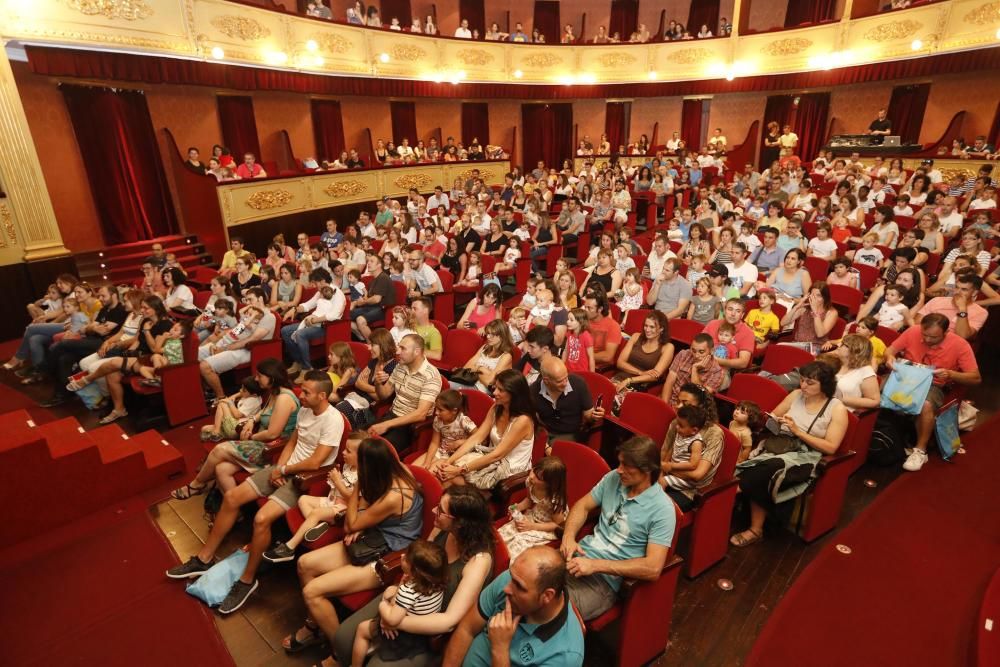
[[891, 140]]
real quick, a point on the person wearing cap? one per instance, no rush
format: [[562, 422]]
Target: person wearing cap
[[932, 173]]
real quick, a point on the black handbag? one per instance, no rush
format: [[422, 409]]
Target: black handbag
[[465, 375], [368, 548], [783, 443]]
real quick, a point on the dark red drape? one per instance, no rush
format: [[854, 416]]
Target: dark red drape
[[404, 122], [156, 70], [548, 134], [475, 122], [809, 11], [117, 142], [616, 119], [398, 9], [624, 18], [239, 126], [546, 20], [691, 131], [906, 111], [811, 121], [328, 129], [705, 12], [994, 135], [475, 12]]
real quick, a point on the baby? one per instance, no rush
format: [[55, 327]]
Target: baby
[[685, 454], [726, 348], [543, 309], [356, 287], [76, 320], [233, 411]]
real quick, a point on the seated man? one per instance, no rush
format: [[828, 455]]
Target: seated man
[[539, 343], [220, 354], [633, 534], [228, 266], [414, 386], [297, 338], [563, 402], [314, 444], [697, 365], [421, 280], [523, 617], [606, 332], [952, 357], [743, 337], [964, 315]]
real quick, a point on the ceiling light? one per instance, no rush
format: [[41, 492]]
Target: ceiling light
[[652, 76], [518, 74], [916, 45], [311, 45], [383, 57], [730, 75], [218, 53]]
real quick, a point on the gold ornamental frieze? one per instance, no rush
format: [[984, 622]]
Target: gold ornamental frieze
[[485, 174], [609, 60], [689, 56], [126, 10], [265, 200], [984, 14], [7, 220], [241, 27], [333, 43], [787, 47], [474, 57], [408, 52], [413, 181], [542, 60], [342, 189], [888, 32]]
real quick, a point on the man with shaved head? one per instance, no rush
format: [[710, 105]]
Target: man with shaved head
[[564, 404], [523, 618]]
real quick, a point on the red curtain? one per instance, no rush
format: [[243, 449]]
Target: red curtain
[[994, 136], [404, 122], [691, 130], [624, 18], [239, 126], [546, 20], [809, 11], [475, 122], [781, 110], [548, 134], [155, 70], [704, 12], [475, 12], [116, 138], [616, 121], [811, 121], [399, 9], [328, 129], [906, 111]]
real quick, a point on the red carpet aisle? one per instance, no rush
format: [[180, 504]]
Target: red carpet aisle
[[94, 594], [909, 592]]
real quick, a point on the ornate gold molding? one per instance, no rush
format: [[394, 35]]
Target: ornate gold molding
[[7, 220], [408, 52], [241, 27], [345, 189], [609, 60], [485, 174], [542, 60], [984, 14], [268, 199], [333, 43], [787, 47], [128, 10], [476, 57], [893, 31], [417, 181], [690, 56]]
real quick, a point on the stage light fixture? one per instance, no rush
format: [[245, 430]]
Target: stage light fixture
[[518, 74], [916, 45], [218, 53]]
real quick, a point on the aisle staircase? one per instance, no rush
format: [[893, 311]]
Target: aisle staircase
[[123, 263], [57, 472]]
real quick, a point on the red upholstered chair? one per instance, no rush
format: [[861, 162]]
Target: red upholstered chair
[[867, 275], [180, 386], [818, 268], [444, 301], [766, 393], [554, 254], [362, 355], [646, 414], [603, 387], [825, 498], [584, 468], [683, 331], [634, 320], [845, 299], [201, 298], [459, 346], [780, 359], [837, 332], [644, 611]]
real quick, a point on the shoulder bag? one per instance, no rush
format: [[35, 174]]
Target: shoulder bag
[[784, 442]]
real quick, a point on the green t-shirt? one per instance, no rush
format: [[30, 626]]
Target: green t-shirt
[[431, 336]]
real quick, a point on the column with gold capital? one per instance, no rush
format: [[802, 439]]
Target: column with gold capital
[[28, 228]]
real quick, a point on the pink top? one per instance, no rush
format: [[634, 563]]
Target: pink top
[[482, 319], [577, 358]]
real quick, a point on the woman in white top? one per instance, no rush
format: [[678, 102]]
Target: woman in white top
[[918, 190], [857, 383], [494, 357], [121, 340], [179, 296], [885, 227], [502, 445]]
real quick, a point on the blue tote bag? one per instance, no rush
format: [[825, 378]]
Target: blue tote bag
[[946, 430], [213, 586], [907, 388]]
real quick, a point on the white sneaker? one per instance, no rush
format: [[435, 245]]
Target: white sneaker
[[915, 461]]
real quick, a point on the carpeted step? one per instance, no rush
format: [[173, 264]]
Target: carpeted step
[[115, 450], [157, 451], [17, 428], [65, 436]]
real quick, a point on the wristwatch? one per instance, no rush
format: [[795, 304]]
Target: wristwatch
[[962, 313]]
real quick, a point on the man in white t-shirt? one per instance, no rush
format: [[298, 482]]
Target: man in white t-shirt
[[463, 31], [660, 254], [742, 273], [314, 444], [674, 142], [439, 198], [950, 219], [421, 280]]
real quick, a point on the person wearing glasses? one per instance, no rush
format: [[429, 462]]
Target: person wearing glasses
[[633, 533], [421, 280]]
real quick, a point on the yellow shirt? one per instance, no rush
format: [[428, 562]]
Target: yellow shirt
[[764, 323], [229, 262], [878, 351], [91, 312]]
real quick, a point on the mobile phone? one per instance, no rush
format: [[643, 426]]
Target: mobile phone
[[599, 403]]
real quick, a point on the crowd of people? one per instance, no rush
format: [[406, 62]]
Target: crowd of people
[[752, 258]]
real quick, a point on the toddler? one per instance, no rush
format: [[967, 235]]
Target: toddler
[[894, 314], [517, 323], [761, 319], [696, 270], [541, 313], [579, 351], [402, 323], [726, 348], [450, 429], [356, 287], [510, 256], [534, 520], [171, 352], [674, 232], [746, 417], [48, 307], [902, 206], [630, 296], [420, 592], [321, 511], [623, 258], [843, 274], [704, 304], [685, 450], [232, 412], [76, 321], [868, 254]]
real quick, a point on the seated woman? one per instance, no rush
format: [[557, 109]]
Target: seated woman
[[912, 280], [493, 357], [38, 335], [501, 446], [155, 324], [604, 274], [179, 299], [384, 513], [244, 278], [546, 235], [481, 310], [287, 292], [682, 482], [463, 526], [817, 421], [646, 357], [790, 281], [857, 384], [356, 405], [275, 421], [812, 317]]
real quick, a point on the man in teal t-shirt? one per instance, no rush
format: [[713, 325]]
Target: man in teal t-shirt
[[523, 618]]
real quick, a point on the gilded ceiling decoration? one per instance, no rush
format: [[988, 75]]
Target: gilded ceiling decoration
[[787, 47], [689, 56], [984, 14], [893, 31], [616, 60], [413, 181], [542, 60], [241, 27], [333, 43], [128, 10], [476, 57], [408, 52], [343, 189], [263, 200]]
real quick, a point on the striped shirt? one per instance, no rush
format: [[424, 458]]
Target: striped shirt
[[411, 387], [418, 604]]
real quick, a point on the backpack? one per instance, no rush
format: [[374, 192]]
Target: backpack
[[892, 433]]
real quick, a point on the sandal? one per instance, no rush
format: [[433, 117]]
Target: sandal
[[78, 384], [113, 416], [741, 540], [292, 644], [188, 491], [13, 363]]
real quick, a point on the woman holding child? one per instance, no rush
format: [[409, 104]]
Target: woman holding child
[[692, 449]]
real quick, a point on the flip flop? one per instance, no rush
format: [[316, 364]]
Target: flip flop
[[294, 645]]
